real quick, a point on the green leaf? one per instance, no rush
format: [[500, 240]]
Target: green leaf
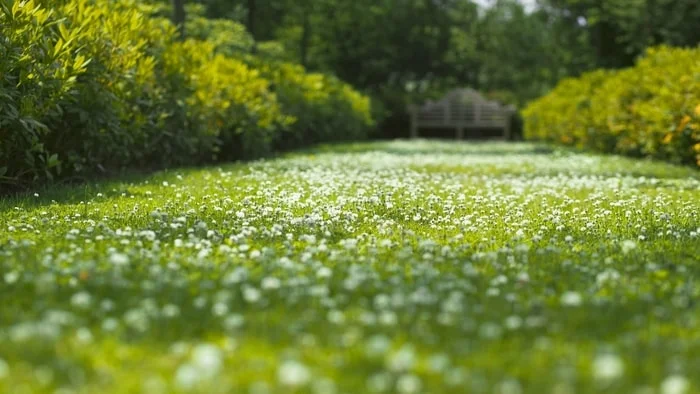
[[80, 62], [53, 161], [6, 10], [65, 34], [15, 8], [57, 48]]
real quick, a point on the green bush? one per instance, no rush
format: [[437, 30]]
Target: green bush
[[227, 37], [39, 70], [100, 85], [114, 120], [225, 104], [320, 107], [651, 109], [77, 87], [323, 108]]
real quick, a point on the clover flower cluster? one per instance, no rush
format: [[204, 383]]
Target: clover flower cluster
[[409, 267]]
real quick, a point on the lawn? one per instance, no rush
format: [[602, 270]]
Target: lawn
[[392, 267]]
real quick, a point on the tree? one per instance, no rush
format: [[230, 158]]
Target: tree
[[407, 50], [252, 8], [620, 30], [179, 16], [522, 53]]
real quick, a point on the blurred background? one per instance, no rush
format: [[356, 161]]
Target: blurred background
[[99, 86], [401, 51]]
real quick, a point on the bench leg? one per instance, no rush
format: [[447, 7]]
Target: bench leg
[[414, 125], [414, 131], [460, 133]]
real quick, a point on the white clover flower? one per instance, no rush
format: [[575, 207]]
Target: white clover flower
[[270, 283], [377, 345], [439, 362], [408, 384], [171, 311], [523, 277], [675, 384], [608, 367], [119, 259], [148, 234], [84, 335], [251, 294], [401, 360], [11, 277], [187, 376], [571, 298], [110, 324], [628, 246], [609, 275], [379, 383], [137, 319], [293, 374], [208, 359], [324, 272], [493, 292], [234, 321], [509, 386], [336, 317], [513, 322], [81, 300]]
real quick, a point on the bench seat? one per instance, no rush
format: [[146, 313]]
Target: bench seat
[[461, 109]]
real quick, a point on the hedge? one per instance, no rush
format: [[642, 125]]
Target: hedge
[[92, 86], [651, 109]]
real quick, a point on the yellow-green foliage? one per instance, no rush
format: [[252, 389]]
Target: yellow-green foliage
[[91, 85], [38, 73], [227, 36], [224, 100], [318, 107], [651, 109], [563, 115], [77, 85], [116, 105], [323, 108]]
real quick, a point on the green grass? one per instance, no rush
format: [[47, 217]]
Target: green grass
[[408, 267]]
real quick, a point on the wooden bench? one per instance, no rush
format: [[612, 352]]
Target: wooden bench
[[461, 109]]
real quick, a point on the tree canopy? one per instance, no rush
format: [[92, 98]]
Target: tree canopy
[[403, 50]]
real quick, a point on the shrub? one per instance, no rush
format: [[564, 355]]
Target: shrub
[[227, 37], [39, 70], [226, 105], [118, 105], [77, 79], [323, 108], [90, 85], [651, 109], [320, 107]]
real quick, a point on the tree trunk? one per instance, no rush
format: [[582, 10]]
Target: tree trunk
[[305, 37], [251, 21], [179, 16]]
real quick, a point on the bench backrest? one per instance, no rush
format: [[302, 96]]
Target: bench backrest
[[461, 108]]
